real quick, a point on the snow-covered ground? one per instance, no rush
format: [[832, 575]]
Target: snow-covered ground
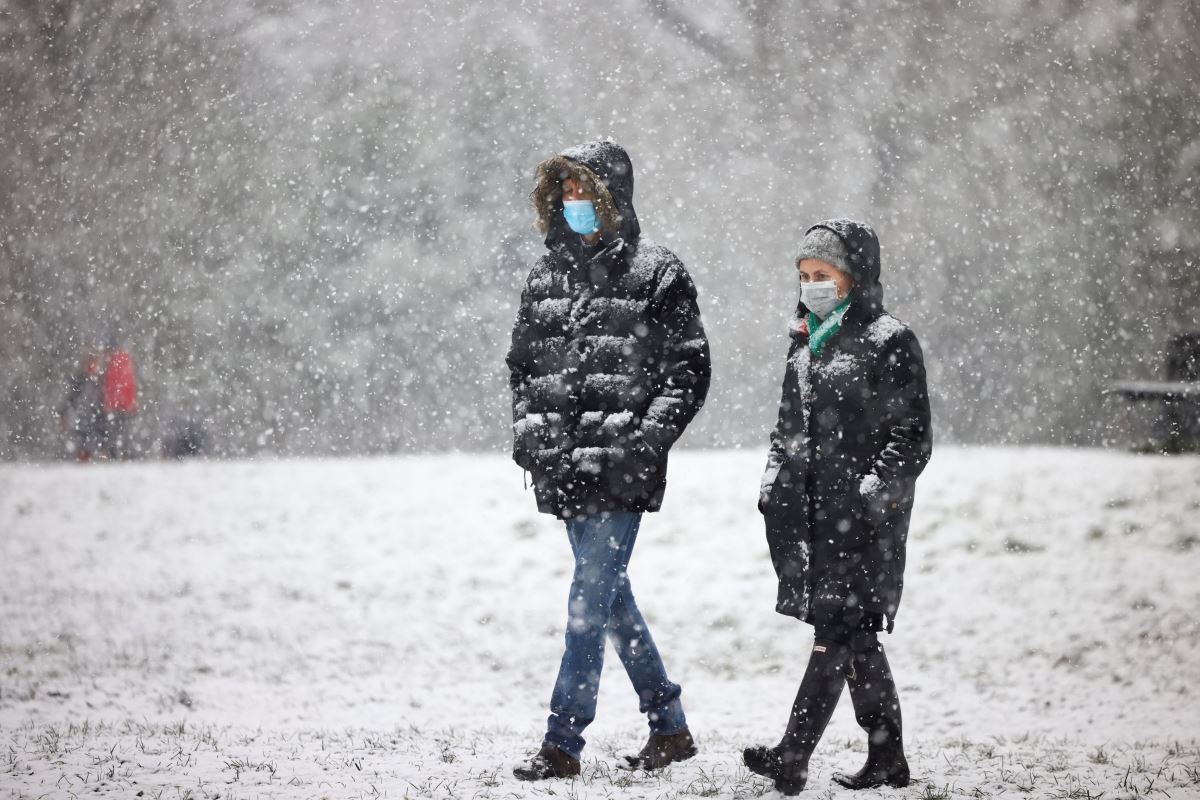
[[392, 627]]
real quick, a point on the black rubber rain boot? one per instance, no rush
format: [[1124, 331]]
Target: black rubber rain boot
[[877, 709], [818, 695]]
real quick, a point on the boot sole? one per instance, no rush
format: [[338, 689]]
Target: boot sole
[[849, 782], [530, 777], [635, 763]]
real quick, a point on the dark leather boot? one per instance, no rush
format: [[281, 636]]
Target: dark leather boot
[[663, 749], [877, 709], [787, 762], [550, 762]]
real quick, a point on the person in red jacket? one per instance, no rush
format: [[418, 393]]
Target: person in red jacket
[[119, 400]]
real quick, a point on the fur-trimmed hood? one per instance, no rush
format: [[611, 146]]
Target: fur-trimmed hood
[[605, 167]]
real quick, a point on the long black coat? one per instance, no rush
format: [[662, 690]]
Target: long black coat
[[852, 436], [609, 361]]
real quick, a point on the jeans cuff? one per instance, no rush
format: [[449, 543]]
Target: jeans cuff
[[667, 719], [573, 748]]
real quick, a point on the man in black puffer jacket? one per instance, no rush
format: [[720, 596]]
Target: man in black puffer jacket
[[609, 363]]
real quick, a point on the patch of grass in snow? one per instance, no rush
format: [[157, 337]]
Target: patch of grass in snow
[[1074, 790], [240, 765], [931, 792], [375, 741], [490, 779], [49, 742], [704, 786]]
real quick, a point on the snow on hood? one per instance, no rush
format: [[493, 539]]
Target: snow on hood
[[862, 247]]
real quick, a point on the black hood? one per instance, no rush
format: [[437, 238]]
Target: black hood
[[609, 162], [862, 248]]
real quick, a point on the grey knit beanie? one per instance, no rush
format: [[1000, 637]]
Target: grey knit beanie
[[824, 244]]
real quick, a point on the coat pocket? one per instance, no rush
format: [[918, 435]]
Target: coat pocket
[[840, 519], [767, 485], [636, 473], [879, 501], [534, 434]]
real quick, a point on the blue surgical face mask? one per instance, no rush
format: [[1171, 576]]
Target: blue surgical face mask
[[581, 216]]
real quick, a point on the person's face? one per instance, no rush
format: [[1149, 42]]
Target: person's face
[[575, 190], [814, 270]]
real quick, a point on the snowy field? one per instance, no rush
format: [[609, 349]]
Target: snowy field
[[391, 627]]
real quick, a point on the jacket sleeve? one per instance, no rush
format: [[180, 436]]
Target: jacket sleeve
[[890, 482], [684, 367], [518, 378]]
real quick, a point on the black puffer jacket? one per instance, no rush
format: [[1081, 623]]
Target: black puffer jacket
[[852, 436], [609, 361]]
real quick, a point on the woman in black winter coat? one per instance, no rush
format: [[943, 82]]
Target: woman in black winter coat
[[853, 435]]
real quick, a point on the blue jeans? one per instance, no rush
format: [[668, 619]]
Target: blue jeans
[[601, 604]]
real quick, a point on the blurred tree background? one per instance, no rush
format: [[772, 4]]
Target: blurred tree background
[[309, 221]]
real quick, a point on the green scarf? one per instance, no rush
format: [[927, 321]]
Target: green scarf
[[822, 332]]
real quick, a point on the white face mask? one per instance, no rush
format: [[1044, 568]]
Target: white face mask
[[820, 297]]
